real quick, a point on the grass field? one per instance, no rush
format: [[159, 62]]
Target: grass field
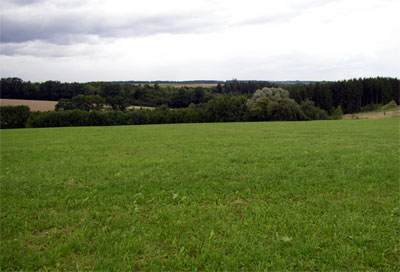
[[321, 195]]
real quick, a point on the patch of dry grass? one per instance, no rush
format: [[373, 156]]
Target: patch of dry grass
[[374, 114]]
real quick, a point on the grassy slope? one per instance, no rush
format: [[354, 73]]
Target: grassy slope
[[235, 196], [377, 114]]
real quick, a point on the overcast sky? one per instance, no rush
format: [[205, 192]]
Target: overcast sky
[[88, 40]]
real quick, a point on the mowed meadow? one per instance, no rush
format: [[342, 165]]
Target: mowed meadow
[[320, 195]]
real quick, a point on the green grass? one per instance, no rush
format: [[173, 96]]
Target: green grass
[[320, 195]]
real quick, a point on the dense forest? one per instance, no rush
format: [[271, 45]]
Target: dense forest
[[123, 95], [351, 95], [108, 103]]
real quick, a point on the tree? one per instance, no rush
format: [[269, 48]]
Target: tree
[[12, 87], [115, 96], [259, 111], [64, 104], [81, 102], [96, 102], [198, 95], [227, 109], [219, 88], [180, 99], [50, 90]]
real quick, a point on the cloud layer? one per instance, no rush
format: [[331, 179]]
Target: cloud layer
[[54, 22], [208, 39]]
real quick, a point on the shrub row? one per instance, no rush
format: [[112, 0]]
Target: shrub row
[[220, 109], [13, 116]]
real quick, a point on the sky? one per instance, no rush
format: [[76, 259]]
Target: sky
[[98, 40]]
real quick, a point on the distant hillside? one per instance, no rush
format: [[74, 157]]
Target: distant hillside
[[296, 82], [215, 82], [282, 82], [191, 82], [172, 82]]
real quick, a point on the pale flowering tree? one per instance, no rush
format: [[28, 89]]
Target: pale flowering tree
[[271, 93]]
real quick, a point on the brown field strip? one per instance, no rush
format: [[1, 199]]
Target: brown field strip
[[41, 105], [34, 105]]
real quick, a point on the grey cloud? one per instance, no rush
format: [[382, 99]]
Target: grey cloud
[[20, 49], [19, 31], [42, 50], [21, 3], [70, 27], [67, 26]]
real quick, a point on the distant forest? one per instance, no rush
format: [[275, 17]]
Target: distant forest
[[351, 95]]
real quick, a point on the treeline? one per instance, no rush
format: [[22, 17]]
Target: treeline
[[117, 95], [122, 95], [237, 87], [172, 82], [351, 95], [265, 105]]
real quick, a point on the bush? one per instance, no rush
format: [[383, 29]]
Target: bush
[[371, 107], [138, 117], [14, 116], [60, 119], [391, 105], [337, 114], [312, 112], [285, 109]]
